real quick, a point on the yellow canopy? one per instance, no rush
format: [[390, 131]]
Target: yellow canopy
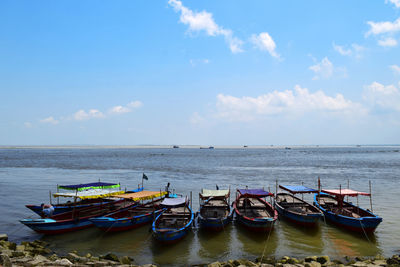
[[93, 193], [142, 195]]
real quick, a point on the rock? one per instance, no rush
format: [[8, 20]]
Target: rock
[[323, 259], [392, 261], [76, 258], [111, 257], [88, 255], [310, 259], [6, 252], [17, 254], [380, 262], [4, 237], [359, 264], [63, 262], [245, 263], [379, 257], [292, 261], [266, 260], [20, 248], [266, 265], [5, 261], [215, 264], [125, 260], [38, 259], [12, 245], [312, 264], [288, 265], [149, 265]]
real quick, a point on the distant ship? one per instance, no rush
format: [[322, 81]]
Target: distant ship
[[175, 147], [203, 147]]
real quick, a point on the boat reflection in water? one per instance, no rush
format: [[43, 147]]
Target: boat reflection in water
[[170, 254], [253, 243], [338, 242], [300, 240], [214, 245]]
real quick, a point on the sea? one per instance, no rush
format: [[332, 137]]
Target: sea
[[28, 175]]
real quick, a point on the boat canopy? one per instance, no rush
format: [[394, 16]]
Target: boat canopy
[[92, 193], [97, 185], [345, 192], [174, 202], [298, 189], [205, 193], [143, 195], [254, 193]]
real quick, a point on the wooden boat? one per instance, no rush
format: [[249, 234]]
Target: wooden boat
[[175, 222], [295, 209], [345, 214], [134, 216], [82, 203], [253, 211], [215, 211], [78, 218]]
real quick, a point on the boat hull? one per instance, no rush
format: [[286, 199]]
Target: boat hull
[[52, 227], [361, 225], [171, 235], [214, 224], [122, 224]]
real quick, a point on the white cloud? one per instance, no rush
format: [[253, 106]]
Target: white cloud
[[28, 125], [125, 109], [383, 27], [354, 50], [264, 42], [204, 21], [50, 120], [83, 115], [387, 97], [388, 42], [119, 110], [323, 69], [196, 118], [135, 104], [396, 3], [295, 101], [395, 69]]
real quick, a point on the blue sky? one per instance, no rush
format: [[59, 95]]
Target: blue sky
[[199, 72]]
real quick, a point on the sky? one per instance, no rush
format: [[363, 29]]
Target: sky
[[199, 72]]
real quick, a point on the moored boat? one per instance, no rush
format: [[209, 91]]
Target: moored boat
[[253, 211], [78, 218], [134, 216], [295, 209], [215, 211], [175, 222], [345, 214], [79, 203]]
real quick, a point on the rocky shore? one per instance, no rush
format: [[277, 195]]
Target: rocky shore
[[37, 253]]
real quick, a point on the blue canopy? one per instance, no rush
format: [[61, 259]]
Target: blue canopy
[[97, 185], [298, 189], [174, 202], [254, 193]]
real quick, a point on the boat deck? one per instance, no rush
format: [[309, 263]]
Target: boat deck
[[252, 208], [174, 218], [214, 209]]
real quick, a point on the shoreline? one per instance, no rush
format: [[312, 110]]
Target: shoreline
[[37, 253]]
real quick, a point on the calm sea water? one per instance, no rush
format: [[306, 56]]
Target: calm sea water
[[27, 175]]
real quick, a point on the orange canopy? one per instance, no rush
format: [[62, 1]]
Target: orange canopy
[[142, 195]]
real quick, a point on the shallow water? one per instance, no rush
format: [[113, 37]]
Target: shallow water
[[27, 175]]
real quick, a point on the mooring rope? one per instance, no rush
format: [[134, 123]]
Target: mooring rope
[[365, 233], [266, 242]]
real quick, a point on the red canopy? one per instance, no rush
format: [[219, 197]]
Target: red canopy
[[345, 192]]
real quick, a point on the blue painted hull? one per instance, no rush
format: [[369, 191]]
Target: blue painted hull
[[171, 235], [51, 227], [122, 224], [57, 208], [214, 224], [366, 224], [257, 224], [307, 219]]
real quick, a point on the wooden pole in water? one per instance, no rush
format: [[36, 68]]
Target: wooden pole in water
[[370, 196], [191, 200], [270, 197], [276, 189], [348, 187], [50, 196], [319, 189], [58, 199]]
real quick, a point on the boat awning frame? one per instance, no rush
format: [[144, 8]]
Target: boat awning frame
[[344, 192], [142, 195], [298, 189], [90, 194], [206, 193], [96, 185], [254, 193]]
